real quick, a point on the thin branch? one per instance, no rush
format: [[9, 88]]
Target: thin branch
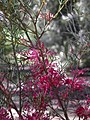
[[56, 112], [65, 2], [18, 72], [29, 38], [26, 10]]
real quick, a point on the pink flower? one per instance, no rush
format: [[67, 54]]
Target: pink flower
[[68, 82], [4, 115], [48, 16], [80, 111], [83, 112], [88, 100]]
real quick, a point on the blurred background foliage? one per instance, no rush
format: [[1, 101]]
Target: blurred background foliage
[[68, 33]]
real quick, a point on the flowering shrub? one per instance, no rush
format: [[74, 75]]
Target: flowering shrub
[[32, 95], [44, 83]]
